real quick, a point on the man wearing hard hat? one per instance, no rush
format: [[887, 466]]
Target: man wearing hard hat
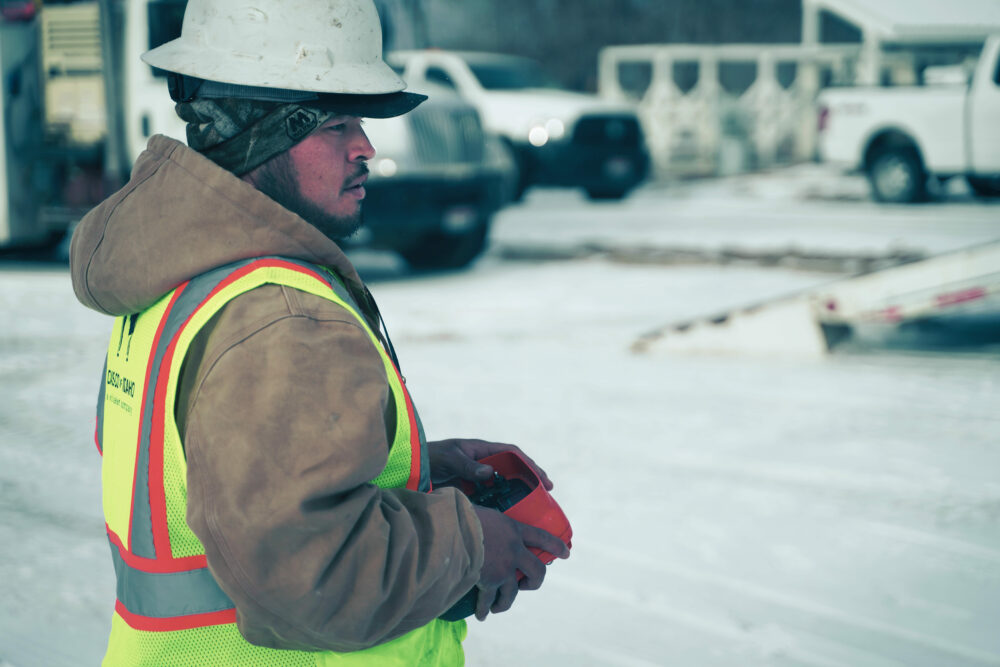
[[267, 486]]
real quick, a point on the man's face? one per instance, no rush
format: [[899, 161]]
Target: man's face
[[322, 177]]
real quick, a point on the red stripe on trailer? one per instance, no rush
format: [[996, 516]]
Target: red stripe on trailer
[[893, 313], [952, 298]]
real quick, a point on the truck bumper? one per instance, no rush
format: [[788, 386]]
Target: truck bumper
[[591, 167]]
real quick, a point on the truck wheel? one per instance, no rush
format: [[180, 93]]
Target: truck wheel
[[984, 186], [897, 176], [522, 181], [447, 251]]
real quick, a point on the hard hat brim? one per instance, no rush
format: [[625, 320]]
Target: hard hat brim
[[386, 105]]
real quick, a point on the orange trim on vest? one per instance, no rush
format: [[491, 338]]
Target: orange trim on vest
[[97, 439], [156, 564], [149, 624], [413, 483]]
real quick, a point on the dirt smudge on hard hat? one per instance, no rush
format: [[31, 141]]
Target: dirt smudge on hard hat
[[256, 15], [336, 23]]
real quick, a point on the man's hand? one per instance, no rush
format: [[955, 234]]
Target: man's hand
[[457, 458], [505, 549]]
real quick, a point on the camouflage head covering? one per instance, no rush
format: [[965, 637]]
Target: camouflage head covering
[[241, 127], [239, 135]]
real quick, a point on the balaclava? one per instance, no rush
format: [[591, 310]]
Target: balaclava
[[241, 127]]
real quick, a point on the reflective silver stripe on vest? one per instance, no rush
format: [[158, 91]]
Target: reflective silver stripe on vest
[[167, 594]]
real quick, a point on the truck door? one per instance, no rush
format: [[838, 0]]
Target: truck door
[[984, 111]]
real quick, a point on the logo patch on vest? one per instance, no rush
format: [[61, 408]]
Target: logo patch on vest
[[300, 123]]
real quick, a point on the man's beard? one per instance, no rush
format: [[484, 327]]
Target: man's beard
[[277, 179]]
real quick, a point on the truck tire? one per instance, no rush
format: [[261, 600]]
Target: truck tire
[[522, 180], [447, 251], [984, 186], [897, 176]]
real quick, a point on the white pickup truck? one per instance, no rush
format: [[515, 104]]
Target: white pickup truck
[[904, 136], [558, 137]]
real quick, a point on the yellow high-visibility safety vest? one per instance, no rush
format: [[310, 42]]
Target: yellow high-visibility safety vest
[[169, 609]]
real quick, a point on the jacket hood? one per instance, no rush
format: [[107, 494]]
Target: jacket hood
[[179, 216]]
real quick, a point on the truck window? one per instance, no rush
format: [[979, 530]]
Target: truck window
[[439, 75], [512, 74], [165, 18]]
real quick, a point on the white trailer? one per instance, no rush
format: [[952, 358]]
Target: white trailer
[[964, 283]]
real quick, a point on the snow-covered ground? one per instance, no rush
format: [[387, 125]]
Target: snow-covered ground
[[807, 209], [726, 510]]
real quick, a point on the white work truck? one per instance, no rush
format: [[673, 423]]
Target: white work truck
[[902, 137], [557, 136]]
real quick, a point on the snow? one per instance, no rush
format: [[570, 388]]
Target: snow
[[809, 210], [727, 510]]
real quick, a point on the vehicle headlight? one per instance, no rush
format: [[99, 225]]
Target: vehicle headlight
[[538, 136], [543, 131], [385, 167]]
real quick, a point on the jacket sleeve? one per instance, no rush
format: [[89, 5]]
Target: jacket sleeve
[[284, 426]]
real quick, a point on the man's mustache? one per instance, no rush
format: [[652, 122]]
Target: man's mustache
[[362, 170]]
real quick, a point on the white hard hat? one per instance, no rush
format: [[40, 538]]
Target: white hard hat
[[321, 46]]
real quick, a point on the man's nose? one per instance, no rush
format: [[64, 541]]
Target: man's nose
[[361, 147]]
